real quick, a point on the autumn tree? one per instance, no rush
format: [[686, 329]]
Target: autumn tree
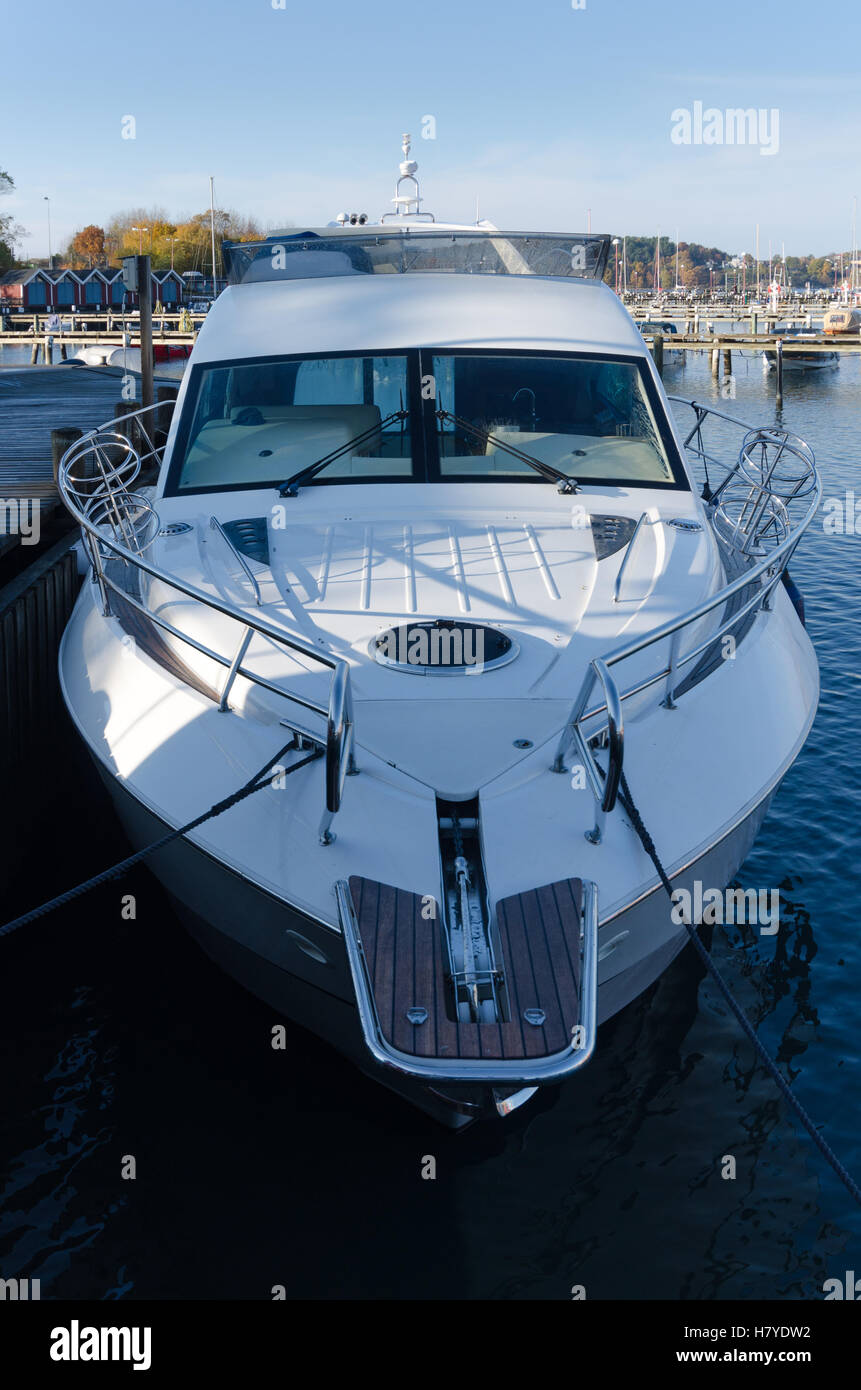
[[87, 247], [122, 240], [194, 247]]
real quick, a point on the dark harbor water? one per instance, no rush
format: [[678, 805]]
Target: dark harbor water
[[257, 1168]]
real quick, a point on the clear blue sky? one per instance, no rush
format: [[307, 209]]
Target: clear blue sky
[[541, 110]]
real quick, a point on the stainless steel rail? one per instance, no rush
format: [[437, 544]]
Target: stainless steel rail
[[759, 515], [93, 479], [617, 590]]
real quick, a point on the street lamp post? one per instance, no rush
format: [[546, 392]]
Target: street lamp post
[[140, 231], [173, 240], [616, 244]]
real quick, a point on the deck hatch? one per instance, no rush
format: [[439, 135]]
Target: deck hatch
[[443, 647]]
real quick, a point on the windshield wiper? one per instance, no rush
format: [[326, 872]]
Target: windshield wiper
[[553, 475], [293, 483]]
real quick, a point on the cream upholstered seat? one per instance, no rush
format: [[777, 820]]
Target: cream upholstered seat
[[356, 419], [279, 441]]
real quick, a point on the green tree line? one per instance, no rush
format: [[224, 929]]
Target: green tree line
[[702, 266]]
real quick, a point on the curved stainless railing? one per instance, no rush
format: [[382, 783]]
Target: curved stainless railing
[[119, 525], [753, 514]]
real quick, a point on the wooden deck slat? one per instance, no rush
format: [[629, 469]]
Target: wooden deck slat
[[404, 972], [566, 901], [428, 984], [545, 973], [520, 976], [539, 935], [384, 965]]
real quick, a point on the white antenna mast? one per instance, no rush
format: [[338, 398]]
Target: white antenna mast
[[407, 203]]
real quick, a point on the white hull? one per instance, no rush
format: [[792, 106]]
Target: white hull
[[268, 946], [818, 362]]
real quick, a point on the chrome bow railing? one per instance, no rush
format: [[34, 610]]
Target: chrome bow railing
[[119, 525], [759, 512]]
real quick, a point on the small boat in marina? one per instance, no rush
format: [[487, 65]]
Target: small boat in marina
[[421, 557], [170, 359], [98, 354], [673, 357], [800, 361], [841, 319]]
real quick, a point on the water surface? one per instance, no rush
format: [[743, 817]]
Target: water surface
[[257, 1168]]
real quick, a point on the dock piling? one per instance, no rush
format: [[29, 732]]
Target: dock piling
[[145, 320], [61, 440], [658, 352]]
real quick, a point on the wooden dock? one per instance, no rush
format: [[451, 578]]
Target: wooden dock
[[37, 325], [759, 342], [51, 336], [779, 346], [36, 400]]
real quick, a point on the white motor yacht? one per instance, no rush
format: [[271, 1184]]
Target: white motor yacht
[[796, 359], [422, 560]]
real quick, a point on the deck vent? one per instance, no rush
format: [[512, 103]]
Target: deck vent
[[443, 647], [682, 523], [611, 533], [251, 537], [175, 528]]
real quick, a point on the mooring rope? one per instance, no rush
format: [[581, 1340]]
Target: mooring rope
[[256, 783], [785, 1090]]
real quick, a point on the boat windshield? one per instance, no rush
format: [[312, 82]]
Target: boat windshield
[[256, 423], [422, 417]]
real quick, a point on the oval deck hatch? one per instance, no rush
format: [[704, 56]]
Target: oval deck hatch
[[443, 647]]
